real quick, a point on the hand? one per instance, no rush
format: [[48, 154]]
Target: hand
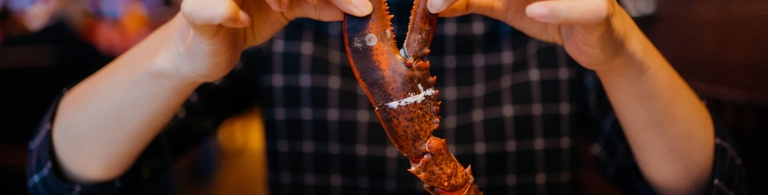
[[670, 132], [592, 31], [218, 30]]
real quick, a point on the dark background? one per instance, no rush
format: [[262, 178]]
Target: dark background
[[719, 46]]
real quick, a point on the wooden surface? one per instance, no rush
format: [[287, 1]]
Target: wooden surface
[[719, 46]]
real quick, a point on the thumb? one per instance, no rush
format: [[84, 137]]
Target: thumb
[[209, 16], [585, 12]]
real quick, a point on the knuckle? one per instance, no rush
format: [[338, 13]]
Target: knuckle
[[187, 7]]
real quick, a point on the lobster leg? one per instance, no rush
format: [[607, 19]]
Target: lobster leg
[[401, 90]]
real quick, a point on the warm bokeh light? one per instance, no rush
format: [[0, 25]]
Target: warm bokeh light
[[243, 163]]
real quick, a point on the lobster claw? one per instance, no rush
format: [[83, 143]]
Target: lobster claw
[[391, 80], [399, 86]]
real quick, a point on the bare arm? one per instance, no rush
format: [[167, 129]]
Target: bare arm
[[668, 128], [104, 122]]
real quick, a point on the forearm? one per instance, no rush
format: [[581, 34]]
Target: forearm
[[103, 123], [667, 126]]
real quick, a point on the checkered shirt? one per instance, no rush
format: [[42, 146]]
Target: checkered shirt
[[514, 108]]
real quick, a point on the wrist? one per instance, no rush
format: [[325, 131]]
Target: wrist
[[167, 66], [633, 53], [168, 63]]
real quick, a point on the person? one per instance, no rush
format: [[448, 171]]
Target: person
[[520, 87]]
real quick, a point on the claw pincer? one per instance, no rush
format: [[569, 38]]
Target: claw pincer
[[399, 86]]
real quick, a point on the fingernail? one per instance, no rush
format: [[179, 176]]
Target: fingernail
[[363, 7], [435, 6], [537, 11]]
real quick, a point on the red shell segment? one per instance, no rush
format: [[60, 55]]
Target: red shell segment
[[402, 92]]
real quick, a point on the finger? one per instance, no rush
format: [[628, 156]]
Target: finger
[[323, 10], [589, 12], [490, 8], [241, 20], [214, 12], [437, 6], [355, 7], [459, 8], [284, 5], [208, 16], [275, 5]]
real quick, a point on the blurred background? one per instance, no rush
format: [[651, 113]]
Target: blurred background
[[719, 46]]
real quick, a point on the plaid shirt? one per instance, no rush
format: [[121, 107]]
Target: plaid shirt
[[514, 108]]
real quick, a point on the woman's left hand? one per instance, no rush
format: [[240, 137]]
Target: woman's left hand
[[593, 32]]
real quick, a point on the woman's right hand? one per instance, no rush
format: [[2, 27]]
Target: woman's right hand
[[217, 31]]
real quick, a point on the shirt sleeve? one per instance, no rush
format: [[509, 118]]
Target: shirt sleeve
[[194, 123], [614, 157], [43, 176]]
